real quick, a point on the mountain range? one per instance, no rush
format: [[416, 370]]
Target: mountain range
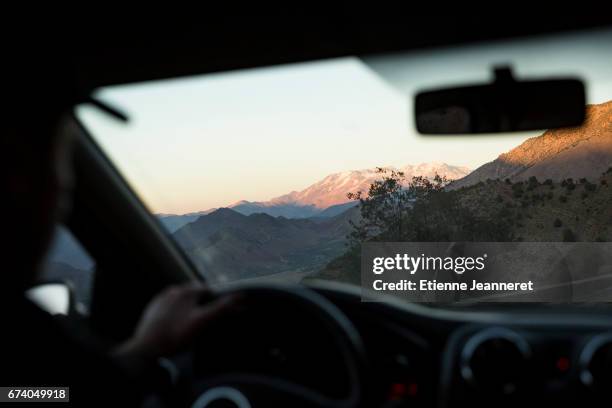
[[294, 234], [325, 198], [234, 246], [173, 222], [331, 191]]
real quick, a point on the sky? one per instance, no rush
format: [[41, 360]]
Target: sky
[[208, 141]]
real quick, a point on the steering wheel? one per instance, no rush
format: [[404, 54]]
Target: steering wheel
[[226, 367]]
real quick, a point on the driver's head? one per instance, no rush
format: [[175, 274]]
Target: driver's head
[[36, 179]]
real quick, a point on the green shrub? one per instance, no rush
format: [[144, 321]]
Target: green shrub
[[532, 183]]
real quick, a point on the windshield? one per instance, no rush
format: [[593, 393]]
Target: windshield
[[282, 173]]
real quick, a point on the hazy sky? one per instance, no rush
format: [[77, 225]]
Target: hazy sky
[[208, 141]]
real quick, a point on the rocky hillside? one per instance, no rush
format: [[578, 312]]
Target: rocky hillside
[[547, 211], [582, 152]]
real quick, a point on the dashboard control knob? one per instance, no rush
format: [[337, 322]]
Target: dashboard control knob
[[495, 360], [596, 362]]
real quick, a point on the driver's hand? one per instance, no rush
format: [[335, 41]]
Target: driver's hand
[[170, 321]]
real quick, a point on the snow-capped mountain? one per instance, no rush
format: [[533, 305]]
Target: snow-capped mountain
[[332, 190]]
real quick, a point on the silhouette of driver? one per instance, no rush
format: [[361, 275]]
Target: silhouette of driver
[[36, 178]]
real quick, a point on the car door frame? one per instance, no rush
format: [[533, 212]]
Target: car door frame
[[135, 256]]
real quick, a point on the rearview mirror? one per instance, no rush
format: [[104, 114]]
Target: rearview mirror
[[505, 105]]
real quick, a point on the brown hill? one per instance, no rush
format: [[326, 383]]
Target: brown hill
[[581, 152], [236, 246], [531, 211]]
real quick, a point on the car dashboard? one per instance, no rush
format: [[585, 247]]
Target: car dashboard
[[432, 356]]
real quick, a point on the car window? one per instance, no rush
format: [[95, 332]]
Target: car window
[[282, 173], [68, 261]]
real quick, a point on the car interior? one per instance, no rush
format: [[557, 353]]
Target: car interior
[[322, 342]]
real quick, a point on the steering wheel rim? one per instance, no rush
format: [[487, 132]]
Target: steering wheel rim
[[346, 340]]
